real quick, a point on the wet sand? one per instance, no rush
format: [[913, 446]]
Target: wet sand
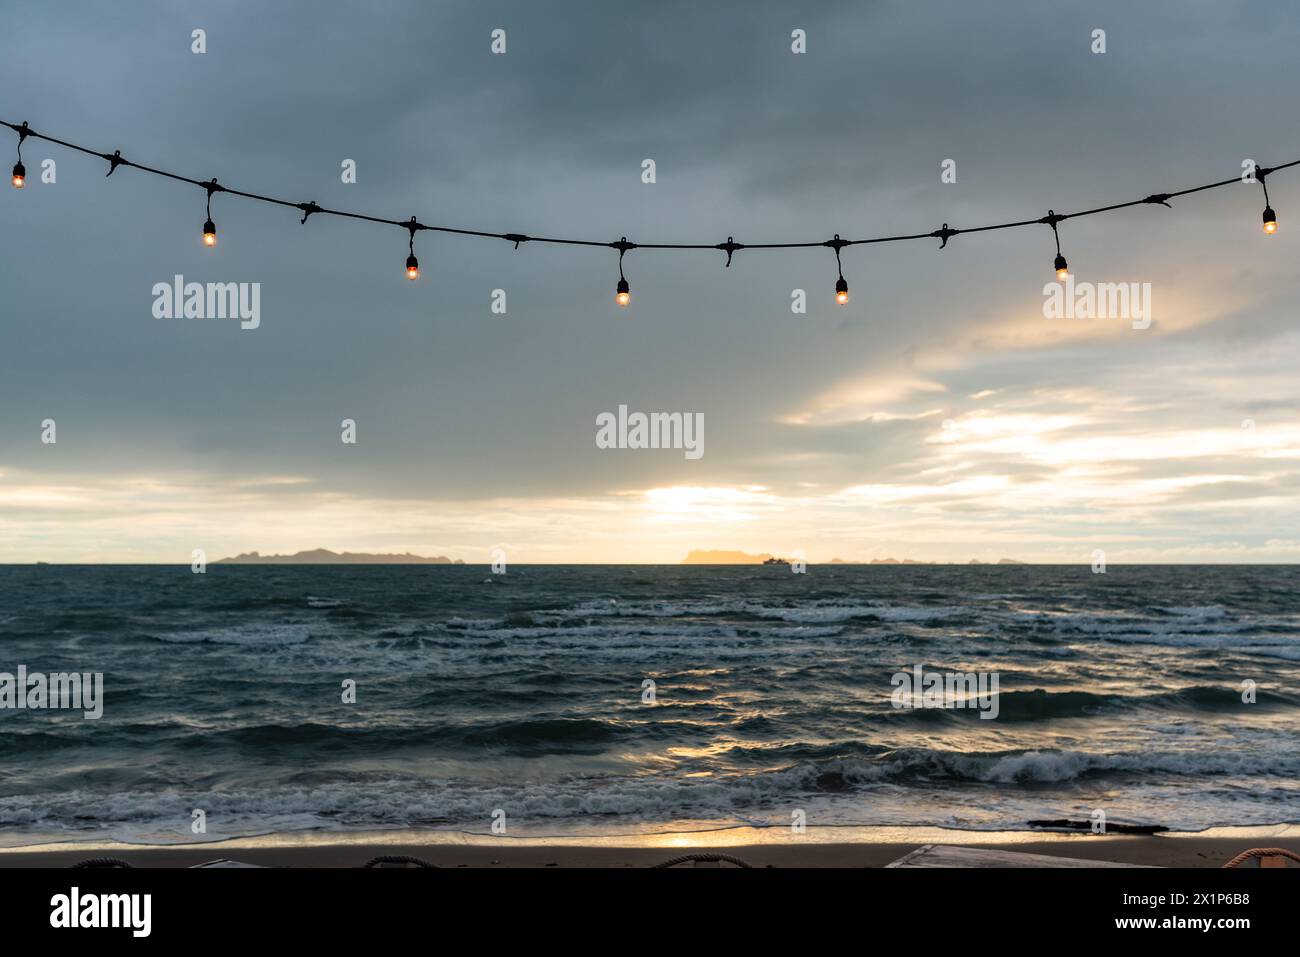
[[818, 847]]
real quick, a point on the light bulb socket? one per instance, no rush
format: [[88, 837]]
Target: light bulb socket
[[623, 288], [20, 175], [1270, 217], [841, 287], [209, 227], [412, 267], [1059, 263]]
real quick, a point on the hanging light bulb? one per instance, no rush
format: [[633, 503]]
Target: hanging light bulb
[[1059, 263], [623, 291], [841, 284], [412, 264], [20, 171], [1270, 217], [209, 227]]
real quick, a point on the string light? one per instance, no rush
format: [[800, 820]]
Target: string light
[[841, 286], [412, 264], [1059, 264], [20, 171], [1270, 217], [623, 292], [209, 227]]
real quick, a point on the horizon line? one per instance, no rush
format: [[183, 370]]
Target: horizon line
[[453, 563]]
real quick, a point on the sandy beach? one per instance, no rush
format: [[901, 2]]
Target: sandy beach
[[818, 847]]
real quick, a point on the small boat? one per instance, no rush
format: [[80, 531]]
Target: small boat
[[775, 561]]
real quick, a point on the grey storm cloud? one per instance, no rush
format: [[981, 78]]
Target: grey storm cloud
[[749, 139]]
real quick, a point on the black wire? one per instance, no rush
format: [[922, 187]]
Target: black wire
[[116, 159], [1052, 220]]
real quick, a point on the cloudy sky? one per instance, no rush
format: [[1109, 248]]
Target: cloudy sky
[[938, 416]]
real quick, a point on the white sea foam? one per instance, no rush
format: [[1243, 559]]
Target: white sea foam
[[763, 798], [1197, 612]]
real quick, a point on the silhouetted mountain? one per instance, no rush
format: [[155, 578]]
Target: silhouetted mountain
[[323, 556], [704, 556]]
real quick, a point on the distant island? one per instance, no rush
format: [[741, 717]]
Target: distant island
[[702, 556], [323, 556], [882, 561], [726, 557]]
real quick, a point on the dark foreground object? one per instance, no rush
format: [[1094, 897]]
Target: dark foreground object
[[1233, 907]]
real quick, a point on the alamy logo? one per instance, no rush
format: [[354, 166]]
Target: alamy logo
[[75, 909], [936, 689], [36, 691], [214, 300], [651, 430], [1098, 300]]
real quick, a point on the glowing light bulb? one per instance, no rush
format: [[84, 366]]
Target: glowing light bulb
[[1270, 221], [842, 292], [412, 268], [1062, 270], [209, 233], [20, 175], [623, 295]]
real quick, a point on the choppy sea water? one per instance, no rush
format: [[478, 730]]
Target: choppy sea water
[[523, 693]]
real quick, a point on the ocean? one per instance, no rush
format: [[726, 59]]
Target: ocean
[[1160, 695]]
